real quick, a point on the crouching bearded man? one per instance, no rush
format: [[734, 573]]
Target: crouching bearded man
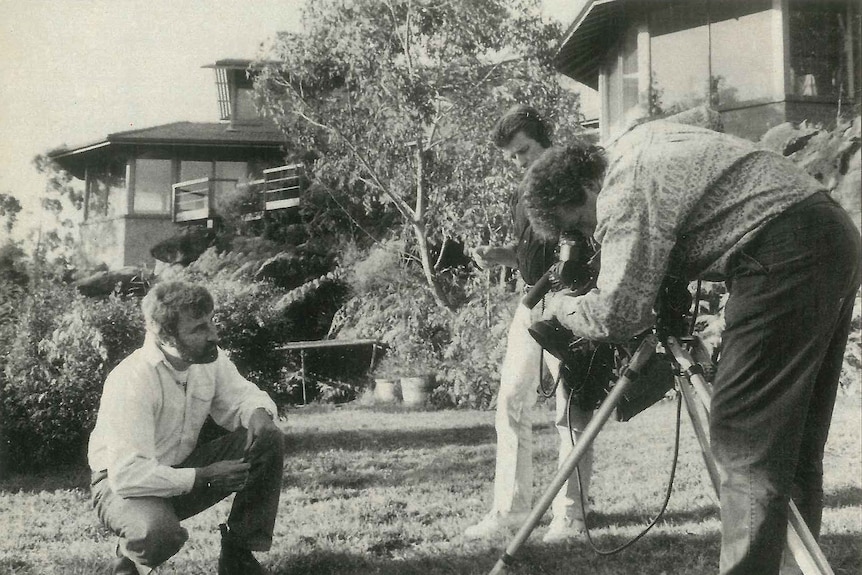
[[148, 470]]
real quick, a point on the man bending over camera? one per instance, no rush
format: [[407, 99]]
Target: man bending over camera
[[678, 200]]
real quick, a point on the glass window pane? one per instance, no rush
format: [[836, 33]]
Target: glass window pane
[[742, 48], [231, 180], [106, 189], [679, 56], [152, 186], [817, 66], [245, 110], [195, 170]]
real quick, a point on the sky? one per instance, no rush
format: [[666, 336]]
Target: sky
[[74, 71]]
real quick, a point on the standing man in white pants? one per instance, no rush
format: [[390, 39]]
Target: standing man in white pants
[[523, 136]]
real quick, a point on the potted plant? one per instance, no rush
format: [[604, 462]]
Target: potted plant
[[386, 380], [416, 361]]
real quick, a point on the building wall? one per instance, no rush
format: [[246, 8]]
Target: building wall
[[103, 241]]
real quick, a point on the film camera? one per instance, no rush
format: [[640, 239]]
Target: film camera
[[588, 368]]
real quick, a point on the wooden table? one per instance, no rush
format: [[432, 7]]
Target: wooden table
[[304, 346]]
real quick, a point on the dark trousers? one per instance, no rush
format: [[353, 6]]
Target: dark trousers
[[787, 319], [149, 527]]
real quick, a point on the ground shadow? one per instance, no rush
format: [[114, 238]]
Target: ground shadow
[[68, 476], [388, 439]]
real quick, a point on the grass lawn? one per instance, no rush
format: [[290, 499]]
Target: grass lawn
[[389, 491]]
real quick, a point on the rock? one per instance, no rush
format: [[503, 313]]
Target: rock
[[185, 247], [130, 280], [787, 138]]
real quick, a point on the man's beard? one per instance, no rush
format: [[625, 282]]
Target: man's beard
[[208, 355]]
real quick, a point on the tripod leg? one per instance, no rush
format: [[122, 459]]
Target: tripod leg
[[800, 541], [567, 467]]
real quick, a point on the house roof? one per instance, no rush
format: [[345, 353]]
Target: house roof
[[205, 134], [588, 39]]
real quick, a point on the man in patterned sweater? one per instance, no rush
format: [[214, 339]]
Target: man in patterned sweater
[[678, 200]]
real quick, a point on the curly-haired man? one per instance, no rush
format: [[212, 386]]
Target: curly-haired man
[[691, 203]]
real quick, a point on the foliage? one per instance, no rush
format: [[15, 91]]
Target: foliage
[[10, 208], [388, 302], [62, 349], [396, 100], [473, 357], [56, 239], [463, 348]]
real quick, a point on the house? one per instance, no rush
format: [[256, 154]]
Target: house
[[141, 186], [758, 62]]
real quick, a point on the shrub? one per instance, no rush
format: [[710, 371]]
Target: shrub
[[471, 372], [52, 380]]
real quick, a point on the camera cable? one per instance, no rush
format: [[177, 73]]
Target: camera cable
[[669, 489], [664, 504]]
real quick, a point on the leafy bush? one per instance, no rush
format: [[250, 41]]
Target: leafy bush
[[471, 372], [52, 379], [464, 348]]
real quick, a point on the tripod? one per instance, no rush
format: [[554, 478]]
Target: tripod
[[696, 393]]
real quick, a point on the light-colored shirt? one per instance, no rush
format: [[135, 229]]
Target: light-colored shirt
[[678, 200], [148, 421]]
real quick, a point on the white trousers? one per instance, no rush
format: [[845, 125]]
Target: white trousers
[[513, 478]]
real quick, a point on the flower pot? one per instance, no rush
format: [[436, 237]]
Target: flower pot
[[386, 390], [415, 390]]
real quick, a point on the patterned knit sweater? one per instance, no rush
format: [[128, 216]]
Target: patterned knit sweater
[[678, 200]]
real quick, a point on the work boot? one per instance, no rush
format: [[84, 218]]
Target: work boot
[[234, 559], [123, 566]]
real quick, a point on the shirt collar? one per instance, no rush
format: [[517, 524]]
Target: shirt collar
[[151, 351]]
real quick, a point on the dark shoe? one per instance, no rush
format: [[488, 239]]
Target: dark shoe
[[236, 560], [123, 566]]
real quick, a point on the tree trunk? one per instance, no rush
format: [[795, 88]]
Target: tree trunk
[[418, 225]]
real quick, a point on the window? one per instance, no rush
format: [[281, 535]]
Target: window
[[152, 186], [106, 189], [244, 111], [679, 57], [742, 51], [231, 180], [822, 59], [190, 170]]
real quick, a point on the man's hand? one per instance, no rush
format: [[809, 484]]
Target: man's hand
[[490, 256], [228, 475], [262, 431]]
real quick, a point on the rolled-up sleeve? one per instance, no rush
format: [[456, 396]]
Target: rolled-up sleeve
[[235, 397]]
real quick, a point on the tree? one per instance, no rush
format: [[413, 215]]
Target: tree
[[10, 207], [56, 239], [397, 98]]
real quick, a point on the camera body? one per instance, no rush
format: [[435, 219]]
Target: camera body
[[588, 368]]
